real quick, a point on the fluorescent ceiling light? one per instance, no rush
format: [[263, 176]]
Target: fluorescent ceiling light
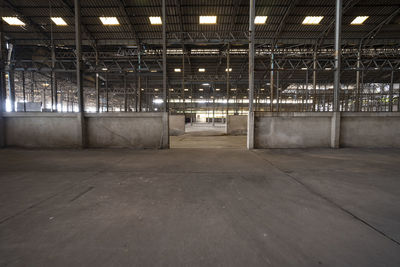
[[359, 20], [185, 89], [230, 69], [202, 70], [205, 84], [59, 21], [208, 19], [109, 21], [217, 89], [201, 89], [155, 20], [260, 19], [177, 70], [312, 20], [14, 21], [104, 69], [156, 89], [171, 89], [233, 89], [262, 89], [153, 70]]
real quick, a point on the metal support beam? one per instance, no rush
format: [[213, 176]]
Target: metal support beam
[[165, 139], [97, 84], [358, 89], [314, 80], [23, 90], [125, 95], [228, 66], [54, 99], [79, 71], [250, 121], [272, 82], [335, 123], [391, 92]]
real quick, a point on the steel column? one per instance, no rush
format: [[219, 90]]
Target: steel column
[[391, 92], [272, 81], [250, 120], [164, 56], [79, 81]]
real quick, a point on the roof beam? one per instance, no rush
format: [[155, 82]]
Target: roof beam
[[330, 27], [37, 28], [88, 34], [283, 22], [122, 7]]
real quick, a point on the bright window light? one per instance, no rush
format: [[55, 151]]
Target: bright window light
[[208, 19], [109, 21], [59, 21], [202, 70], [312, 20], [260, 19], [177, 70], [230, 69], [14, 21], [155, 20], [359, 20]]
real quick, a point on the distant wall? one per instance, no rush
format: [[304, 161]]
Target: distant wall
[[366, 129], [176, 125], [237, 125], [292, 130], [62, 130], [45, 130]]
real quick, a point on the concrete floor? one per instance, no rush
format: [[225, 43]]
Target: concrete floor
[[200, 207]]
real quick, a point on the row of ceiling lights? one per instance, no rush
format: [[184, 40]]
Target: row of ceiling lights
[[113, 21]]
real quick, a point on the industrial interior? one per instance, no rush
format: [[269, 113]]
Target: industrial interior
[[200, 133]]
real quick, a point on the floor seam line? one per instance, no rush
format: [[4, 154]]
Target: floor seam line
[[330, 201]]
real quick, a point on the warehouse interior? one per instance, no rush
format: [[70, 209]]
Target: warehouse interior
[[199, 133]]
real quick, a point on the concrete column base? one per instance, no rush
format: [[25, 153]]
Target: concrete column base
[[335, 130], [82, 130], [250, 131], [2, 132]]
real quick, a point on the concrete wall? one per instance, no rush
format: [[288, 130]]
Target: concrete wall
[[237, 125], [176, 125], [312, 129], [292, 130], [370, 129], [41, 130], [63, 130]]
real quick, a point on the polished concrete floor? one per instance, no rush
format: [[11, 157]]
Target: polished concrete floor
[[200, 207]]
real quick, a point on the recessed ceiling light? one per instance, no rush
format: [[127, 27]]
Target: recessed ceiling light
[[359, 20], [59, 21], [155, 20], [110, 21], [260, 19], [208, 19], [230, 69], [202, 70], [14, 21], [312, 20], [177, 70]]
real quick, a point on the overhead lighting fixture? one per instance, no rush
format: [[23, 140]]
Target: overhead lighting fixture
[[260, 19], [208, 19], [312, 20], [201, 89], [185, 89], [359, 20], [156, 89], [104, 69], [262, 89], [233, 89], [230, 69], [14, 21], [217, 89], [153, 70], [59, 21], [202, 70], [109, 21], [171, 89], [177, 70], [206, 84], [155, 20]]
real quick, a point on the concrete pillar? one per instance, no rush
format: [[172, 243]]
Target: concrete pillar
[[79, 72], [250, 121]]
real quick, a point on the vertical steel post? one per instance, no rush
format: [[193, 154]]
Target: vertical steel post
[[139, 79], [165, 139], [23, 90], [391, 92], [315, 81], [2, 84], [79, 81], [277, 91], [11, 88], [125, 94], [97, 84], [358, 89], [272, 81], [250, 120], [227, 84], [335, 125], [54, 100], [107, 92]]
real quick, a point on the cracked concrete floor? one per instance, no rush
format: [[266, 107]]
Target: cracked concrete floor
[[200, 207]]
